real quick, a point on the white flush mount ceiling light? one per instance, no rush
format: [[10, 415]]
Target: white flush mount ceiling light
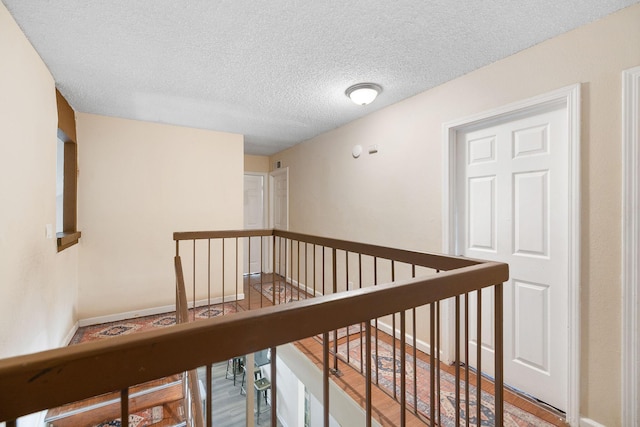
[[363, 93]]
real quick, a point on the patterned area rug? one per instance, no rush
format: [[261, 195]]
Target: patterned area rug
[[513, 417], [135, 420], [146, 323], [113, 329], [288, 293], [284, 293]]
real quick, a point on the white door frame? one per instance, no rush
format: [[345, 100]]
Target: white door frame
[[266, 266], [568, 97], [630, 246]]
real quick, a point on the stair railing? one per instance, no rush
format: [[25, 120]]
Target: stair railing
[[302, 266], [48, 379]]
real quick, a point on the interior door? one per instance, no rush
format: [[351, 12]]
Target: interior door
[[253, 220], [280, 211], [513, 187]]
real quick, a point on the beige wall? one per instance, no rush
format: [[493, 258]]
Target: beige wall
[[140, 182], [38, 286], [256, 164], [394, 197]]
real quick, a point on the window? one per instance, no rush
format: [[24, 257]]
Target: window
[[59, 185], [66, 177]]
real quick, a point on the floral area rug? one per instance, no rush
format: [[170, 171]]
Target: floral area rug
[[284, 293], [146, 323], [513, 416]]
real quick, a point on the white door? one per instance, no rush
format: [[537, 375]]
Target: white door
[[513, 188], [280, 212], [253, 220], [280, 200]]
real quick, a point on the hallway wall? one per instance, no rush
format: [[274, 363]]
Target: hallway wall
[[139, 182], [394, 197], [38, 286]]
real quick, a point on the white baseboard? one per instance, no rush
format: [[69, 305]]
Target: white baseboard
[[151, 311], [420, 345], [67, 339], [587, 422], [303, 287]]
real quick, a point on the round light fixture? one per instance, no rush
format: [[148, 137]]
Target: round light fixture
[[363, 93]]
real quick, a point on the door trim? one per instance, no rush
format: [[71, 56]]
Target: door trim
[[569, 97], [630, 246]]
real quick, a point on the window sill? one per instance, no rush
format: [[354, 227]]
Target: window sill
[[67, 239]]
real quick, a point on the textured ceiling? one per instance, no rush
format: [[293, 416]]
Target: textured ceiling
[[275, 71]]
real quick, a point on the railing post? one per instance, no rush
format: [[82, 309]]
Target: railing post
[[274, 388], [467, 392], [334, 263], [457, 357], [325, 377], [208, 277], [223, 275], [479, 354], [403, 370], [237, 277], [432, 363], [367, 331], [273, 273], [499, 356], [194, 282], [209, 396], [124, 407], [415, 346]]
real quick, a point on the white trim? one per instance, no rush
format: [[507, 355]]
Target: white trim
[[303, 287], [168, 309], [630, 247], [588, 422], [420, 344], [570, 97], [67, 339]]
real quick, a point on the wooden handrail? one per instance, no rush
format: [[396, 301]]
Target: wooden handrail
[[221, 234], [423, 259], [47, 379]]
